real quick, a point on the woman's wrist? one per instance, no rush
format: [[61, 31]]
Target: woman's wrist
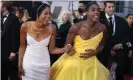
[[66, 48], [62, 50]]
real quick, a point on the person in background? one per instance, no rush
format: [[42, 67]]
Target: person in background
[[26, 16], [10, 27], [117, 36], [129, 19], [20, 13], [129, 50], [102, 7], [102, 15], [81, 14], [65, 19]]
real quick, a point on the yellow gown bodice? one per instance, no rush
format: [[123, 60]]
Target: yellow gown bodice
[[75, 68]]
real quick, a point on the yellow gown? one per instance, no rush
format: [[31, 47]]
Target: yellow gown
[[75, 68]]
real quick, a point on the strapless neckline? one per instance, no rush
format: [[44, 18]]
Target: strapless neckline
[[89, 38]]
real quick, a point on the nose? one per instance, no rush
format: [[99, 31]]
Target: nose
[[96, 11], [49, 16]]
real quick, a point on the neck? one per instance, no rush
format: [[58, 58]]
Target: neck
[[25, 18], [41, 24], [90, 23], [4, 13], [64, 22], [110, 15]]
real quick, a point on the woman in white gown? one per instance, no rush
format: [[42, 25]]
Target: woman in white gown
[[35, 36]]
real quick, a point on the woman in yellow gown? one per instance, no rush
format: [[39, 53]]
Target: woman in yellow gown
[[87, 38]]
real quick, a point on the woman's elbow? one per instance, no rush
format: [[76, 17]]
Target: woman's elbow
[[51, 51], [21, 47]]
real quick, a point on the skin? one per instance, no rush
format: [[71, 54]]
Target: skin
[[130, 20], [19, 15], [109, 9], [65, 17], [87, 30], [82, 6], [34, 27]]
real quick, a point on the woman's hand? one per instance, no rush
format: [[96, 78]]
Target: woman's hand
[[89, 53], [20, 73], [69, 49]]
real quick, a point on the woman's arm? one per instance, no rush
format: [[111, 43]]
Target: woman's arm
[[70, 38], [102, 43], [23, 42], [71, 34]]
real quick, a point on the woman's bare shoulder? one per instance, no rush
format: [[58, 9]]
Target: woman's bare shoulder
[[53, 28], [102, 27], [27, 25], [80, 24]]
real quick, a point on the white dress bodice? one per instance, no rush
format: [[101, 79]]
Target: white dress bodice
[[36, 60]]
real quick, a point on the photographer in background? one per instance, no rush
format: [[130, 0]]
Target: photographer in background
[[81, 15]]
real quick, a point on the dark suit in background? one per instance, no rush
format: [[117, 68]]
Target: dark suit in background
[[62, 32], [129, 60], [9, 43], [76, 20], [131, 39], [120, 36]]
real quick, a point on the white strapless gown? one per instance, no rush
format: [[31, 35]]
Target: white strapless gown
[[36, 61]]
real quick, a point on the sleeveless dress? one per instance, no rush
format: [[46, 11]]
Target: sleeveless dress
[[75, 68], [36, 60]]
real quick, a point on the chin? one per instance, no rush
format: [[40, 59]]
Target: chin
[[111, 14], [95, 20]]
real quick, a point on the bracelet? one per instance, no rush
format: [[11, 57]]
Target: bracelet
[[69, 45]]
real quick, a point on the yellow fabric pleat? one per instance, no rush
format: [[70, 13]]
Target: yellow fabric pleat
[[75, 68]]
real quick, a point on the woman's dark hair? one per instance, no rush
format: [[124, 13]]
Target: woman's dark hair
[[41, 8], [89, 4], [129, 15]]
